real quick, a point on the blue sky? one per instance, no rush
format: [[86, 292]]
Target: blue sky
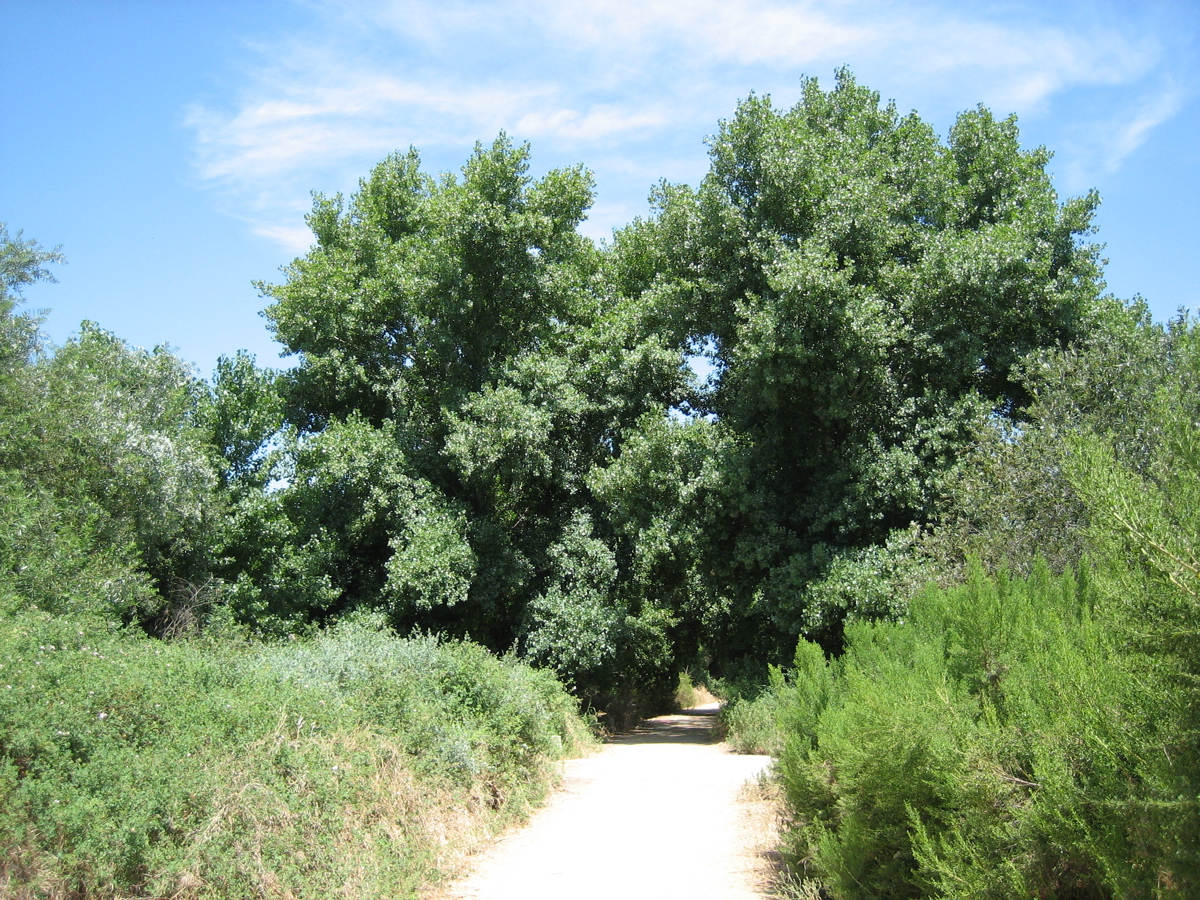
[[171, 146]]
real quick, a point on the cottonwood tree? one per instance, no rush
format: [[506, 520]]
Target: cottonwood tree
[[865, 291], [463, 365], [483, 440]]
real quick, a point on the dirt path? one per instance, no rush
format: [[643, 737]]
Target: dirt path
[[659, 813]]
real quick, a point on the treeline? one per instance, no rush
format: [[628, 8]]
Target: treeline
[[493, 427], [493, 431]]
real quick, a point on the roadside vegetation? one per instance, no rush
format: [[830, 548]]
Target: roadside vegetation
[[929, 524], [1028, 728], [153, 744], [354, 763]]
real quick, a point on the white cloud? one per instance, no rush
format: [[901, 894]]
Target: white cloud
[[294, 239], [316, 123], [1132, 134], [1106, 142], [745, 32], [599, 122], [623, 86]]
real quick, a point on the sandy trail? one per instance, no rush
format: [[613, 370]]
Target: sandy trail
[[657, 813]]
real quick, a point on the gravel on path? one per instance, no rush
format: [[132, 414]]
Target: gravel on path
[[658, 813]]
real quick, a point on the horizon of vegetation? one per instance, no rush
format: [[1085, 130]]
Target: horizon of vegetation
[[928, 523]]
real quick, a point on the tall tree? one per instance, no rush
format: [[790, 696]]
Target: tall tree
[[415, 295], [463, 367], [865, 292]]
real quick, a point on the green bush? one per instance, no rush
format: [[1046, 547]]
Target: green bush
[[1031, 737], [997, 743], [53, 558], [788, 709], [349, 764], [753, 725], [462, 711]]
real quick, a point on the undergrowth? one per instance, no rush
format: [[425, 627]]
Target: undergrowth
[[356, 764], [999, 742]]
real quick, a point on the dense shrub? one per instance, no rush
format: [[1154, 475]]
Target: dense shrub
[[1031, 736], [996, 743], [352, 763], [53, 558]]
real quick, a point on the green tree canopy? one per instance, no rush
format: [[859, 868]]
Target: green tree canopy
[[865, 292], [419, 289], [464, 365], [492, 427]]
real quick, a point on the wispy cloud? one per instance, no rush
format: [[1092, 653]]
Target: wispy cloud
[[1107, 140], [321, 123], [295, 239], [618, 85], [1131, 134], [599, 122], [745, 32]]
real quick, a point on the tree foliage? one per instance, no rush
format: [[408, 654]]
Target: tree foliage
[[492, 428], [479, 389], [463, 366], [1011, 499], [868, 294]]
